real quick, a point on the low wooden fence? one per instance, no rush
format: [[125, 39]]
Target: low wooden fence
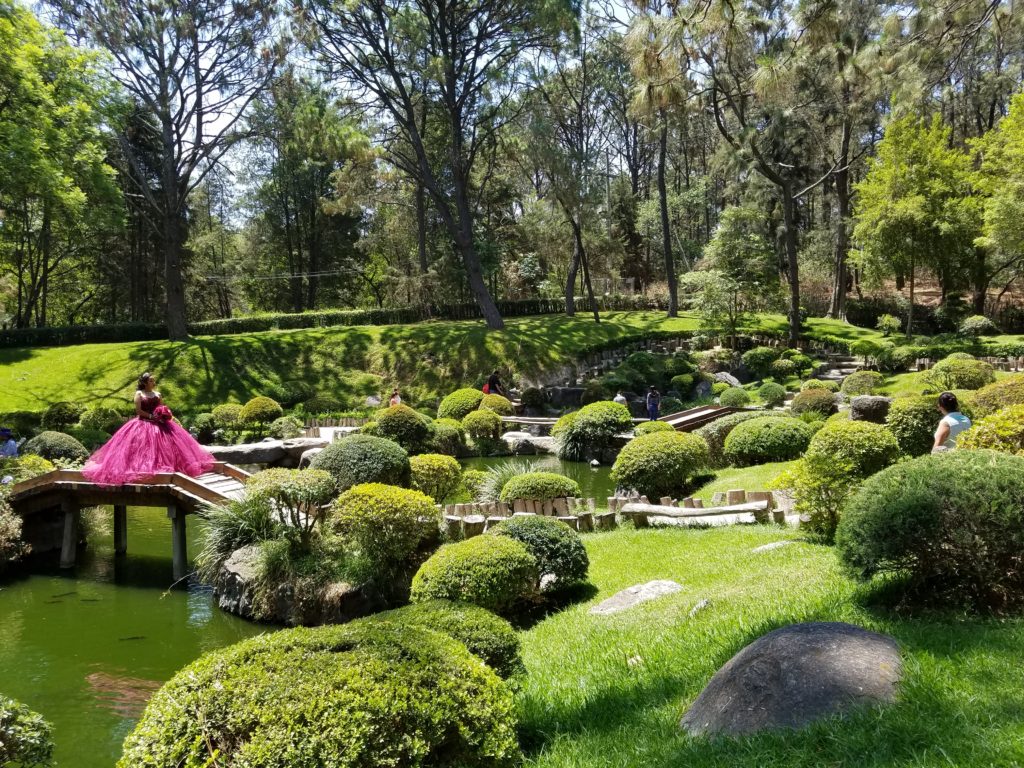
[[464, 521]]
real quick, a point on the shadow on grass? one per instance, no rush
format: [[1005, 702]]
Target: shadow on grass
[[553, 602]]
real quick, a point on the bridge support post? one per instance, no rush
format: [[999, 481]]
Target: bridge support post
[[179, 550], [120, 529], [69, 544]]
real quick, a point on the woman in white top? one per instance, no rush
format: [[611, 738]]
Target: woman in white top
[[952, 424]]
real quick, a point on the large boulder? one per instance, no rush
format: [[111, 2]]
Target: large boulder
[[520, 443], [269, 452], [794, 676], [873, 408], [296, 447], [727, 378]]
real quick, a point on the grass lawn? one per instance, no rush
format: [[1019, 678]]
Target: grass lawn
[[754, 478], [610, 690]]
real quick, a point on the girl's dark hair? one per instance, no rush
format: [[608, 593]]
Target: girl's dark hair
[[948, 401], [142, 381]]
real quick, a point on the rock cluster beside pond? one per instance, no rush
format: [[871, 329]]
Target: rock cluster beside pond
[[271, 453], [794, 676]]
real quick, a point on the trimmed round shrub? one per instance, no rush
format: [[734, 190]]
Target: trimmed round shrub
[[734, 397], [487, 636], [648, 427], [773, 395], [556, 547], [404, 426], [682, 383], [25, 737], [482, 424], [913, 421], [460, 403], [802, 362], [102, 418], [290, 393], [829, 386], [260, 410], [960, 373], [297, 496], [893, 358], [320, 404], [472, 480], [784, 368], [759, 441], [670, 405], [978, 325], [436, 475], [952, 523], [203, 428], [533, 397], [995, 397], [362, 694], [539, 486], [361, 459], [861, 383], [285, 428], [889, 325], [498, 403], [865, 447], [90, 438], [494, 572], [718, 387], [1001, 431], [715, 433], [660, 464], [759, 360], [819, 401], [449, 438], [60, 415], [227, 415], [590, 430], [56, 446], [384, 524]]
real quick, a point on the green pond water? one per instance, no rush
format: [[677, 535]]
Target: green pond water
[[87, 647]]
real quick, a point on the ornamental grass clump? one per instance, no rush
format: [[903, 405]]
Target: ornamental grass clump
[[591, 430], [363, 694], [557, 548], [660, 464], [494, 572], [759, 441], [950, 526], [436, 475], [539, 486], [364, 459]]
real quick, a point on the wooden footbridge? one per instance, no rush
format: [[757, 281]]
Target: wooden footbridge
[[65, 492], [681, 421]]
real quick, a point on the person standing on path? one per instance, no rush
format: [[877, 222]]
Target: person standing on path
[[8, 447], [951, 425], [653, 403]]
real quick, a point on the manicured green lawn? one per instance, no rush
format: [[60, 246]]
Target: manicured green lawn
[[609, 691], [754, 478]]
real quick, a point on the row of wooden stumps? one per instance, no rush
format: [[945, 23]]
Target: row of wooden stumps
[[464, 521], [728, 507], [72, 519]]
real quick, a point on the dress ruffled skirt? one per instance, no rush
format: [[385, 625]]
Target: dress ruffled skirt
[[141, 449]]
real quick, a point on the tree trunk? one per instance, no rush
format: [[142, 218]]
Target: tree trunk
[[580, 250], [175, 236], [910, 311], [666, 233], [570, 281], [837, 304], [470, 258], [421, 227], [980, 281], [792, 262]]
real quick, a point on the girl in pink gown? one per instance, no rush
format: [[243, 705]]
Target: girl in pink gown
[[149, 444]]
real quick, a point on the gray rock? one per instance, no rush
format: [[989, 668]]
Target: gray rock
[[728, 378], [794, 676], [872, 408], [307, 457], [250, 453], [633, 596], [233, 585], [702, 389], [296, 447], [771, 546]]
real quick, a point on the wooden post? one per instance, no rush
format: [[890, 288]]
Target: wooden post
[[735, 496], [473, 525], [69, 544], [179, 546], [454, 525], [120, 529], [688, 503]]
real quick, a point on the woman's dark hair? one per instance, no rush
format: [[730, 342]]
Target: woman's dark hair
[[142, 381], [948, 402]]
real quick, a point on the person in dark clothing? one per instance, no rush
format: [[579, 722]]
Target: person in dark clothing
[[653, 403], [494, 386]]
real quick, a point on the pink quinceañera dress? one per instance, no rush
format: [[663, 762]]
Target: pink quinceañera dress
[[143, 448]]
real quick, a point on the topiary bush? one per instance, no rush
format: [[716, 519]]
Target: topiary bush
[[436, 475], [25, 737], [913, 421], [260, 411], [866, 447], [759, 360], [488, 636], [297, 496], [670, 405], [1001, 431], [285, 428], [56, 446], [999, 395], [482, 425], [90, 438], [660, 464], [956, 372], [227, 415], [682, 383], [590, 431], [862, 383], [715, 433], [460, 403], [718, 387], [952, 524], [759, 441], [498, 403], [534, 398], [734, 397], [977, 325], [539, 486], [803, 364], [494, 572], [102, 418], [60, 415], [784, 368], [556, 547], [773, 395], [204, 428], [819, 401], [404, 426], [359, 459], [320, 404], [829, 386], [472, 480], [449, 438], [384, 525], [364, 694], [889, 325], [648, 427]]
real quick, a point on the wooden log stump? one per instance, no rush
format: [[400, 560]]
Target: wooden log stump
[[698, 503], [613, 503], [736, 496], [453, 526], [591, 506], [604, 521], [504, 509], [519, 505], [493, 521], [688, 503], [717, 499], [586, 522], [571, 520], [667, 501], [561, 507], [473, 525], [549, 507]]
